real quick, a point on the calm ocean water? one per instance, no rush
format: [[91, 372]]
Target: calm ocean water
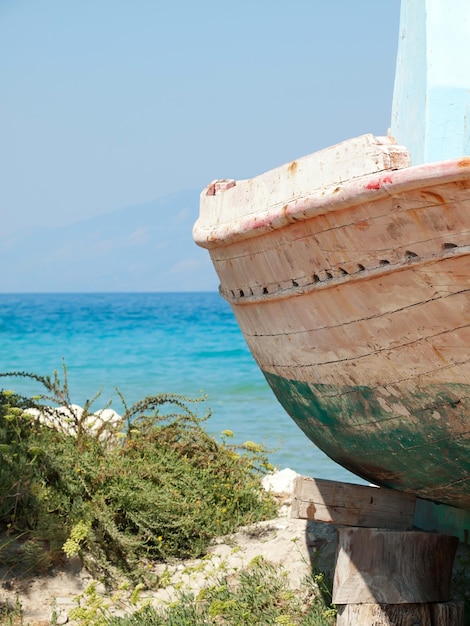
[[149, 343]]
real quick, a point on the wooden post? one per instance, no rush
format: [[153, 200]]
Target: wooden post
[[444, 613], [385, 615], [441, 614], [386, 574], [392, 578]]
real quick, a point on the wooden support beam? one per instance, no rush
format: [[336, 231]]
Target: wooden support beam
[[348, 504], [448, 614], [440, 614], [386, 573], [385, 615], [352, 505], [392, 577], [392, 567]]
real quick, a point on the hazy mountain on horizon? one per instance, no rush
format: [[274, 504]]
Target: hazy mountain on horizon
[[148, 247]]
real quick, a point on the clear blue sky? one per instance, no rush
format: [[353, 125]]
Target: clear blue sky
[[109, 103]]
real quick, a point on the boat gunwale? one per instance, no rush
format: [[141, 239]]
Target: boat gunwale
[[366, 274], [360, 190]]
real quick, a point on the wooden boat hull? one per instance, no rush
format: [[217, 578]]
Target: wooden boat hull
[[354, 301], [384, 391]]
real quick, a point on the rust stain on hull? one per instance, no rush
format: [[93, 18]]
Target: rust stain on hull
[[292, 168]]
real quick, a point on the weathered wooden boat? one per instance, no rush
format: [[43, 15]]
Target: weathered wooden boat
[[348, 271]]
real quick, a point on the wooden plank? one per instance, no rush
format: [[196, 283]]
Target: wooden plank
[[352, 505], [392, 567], [386, 614], [438, 614], [448, 614]]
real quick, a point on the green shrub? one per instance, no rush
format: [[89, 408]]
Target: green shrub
[[153, 487]]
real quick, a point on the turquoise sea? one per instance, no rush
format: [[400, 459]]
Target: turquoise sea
[[149, 343]]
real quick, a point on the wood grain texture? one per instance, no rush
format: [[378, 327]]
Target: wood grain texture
[[439, 614], [389, 567], [232, 211], [352, 505], [386, 615], [448, 614]]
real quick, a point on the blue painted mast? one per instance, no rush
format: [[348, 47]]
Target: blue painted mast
[[431, 99], [431, 117]]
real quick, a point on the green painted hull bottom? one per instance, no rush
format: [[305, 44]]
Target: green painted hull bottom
[[407, 438]]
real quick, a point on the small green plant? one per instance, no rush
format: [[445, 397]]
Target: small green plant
[[77, 537], [257, 595], [260, 595], [11, 614], [95, 609]]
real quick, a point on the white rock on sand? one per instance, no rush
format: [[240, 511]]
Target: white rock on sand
[[293, 544], [281, 481], [66, 418]]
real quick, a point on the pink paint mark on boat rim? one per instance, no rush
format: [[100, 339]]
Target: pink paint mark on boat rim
[[377, 184]]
